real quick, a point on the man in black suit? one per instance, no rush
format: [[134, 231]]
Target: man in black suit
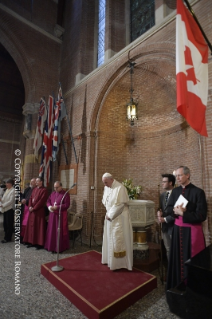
[[167, 221]]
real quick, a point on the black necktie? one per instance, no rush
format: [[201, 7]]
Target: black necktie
[[166, 197]]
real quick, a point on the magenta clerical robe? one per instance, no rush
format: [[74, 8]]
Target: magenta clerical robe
[[52, 229], [36, 224], [24, 220]]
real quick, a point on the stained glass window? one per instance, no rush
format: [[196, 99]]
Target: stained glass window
[[101, 33], [142, 17]]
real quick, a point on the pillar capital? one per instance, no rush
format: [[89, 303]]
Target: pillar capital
[[58, 31], [30, 108]]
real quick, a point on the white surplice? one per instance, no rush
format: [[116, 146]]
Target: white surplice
[[117, 248]]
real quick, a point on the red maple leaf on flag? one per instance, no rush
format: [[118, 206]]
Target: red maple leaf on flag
[[191, 70], [191, 76]]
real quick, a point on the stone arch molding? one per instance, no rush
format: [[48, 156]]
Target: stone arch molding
[[16, 50], [143, 56]]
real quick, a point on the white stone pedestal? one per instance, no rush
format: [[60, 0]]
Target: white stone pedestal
[[142, 214]]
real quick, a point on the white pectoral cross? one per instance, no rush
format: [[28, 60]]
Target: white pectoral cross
[[55, 203]]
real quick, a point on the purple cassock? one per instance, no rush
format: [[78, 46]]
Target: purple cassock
[[36, 225], [51, 234]]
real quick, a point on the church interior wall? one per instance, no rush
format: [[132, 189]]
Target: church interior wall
[[115, 31], [77, 55], [37, 55], [160, 140], [41, 13]]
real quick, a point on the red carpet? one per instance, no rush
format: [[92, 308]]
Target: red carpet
[[94, 289]]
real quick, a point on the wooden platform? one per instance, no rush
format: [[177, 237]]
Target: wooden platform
[[94, 289]]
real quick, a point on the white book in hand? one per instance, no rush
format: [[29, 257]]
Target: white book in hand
[[181, 200]]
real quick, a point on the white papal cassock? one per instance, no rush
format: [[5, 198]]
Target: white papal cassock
[[117, 248]]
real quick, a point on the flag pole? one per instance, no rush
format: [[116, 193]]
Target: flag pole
[[201, 29], [70, 130], [64, 149]]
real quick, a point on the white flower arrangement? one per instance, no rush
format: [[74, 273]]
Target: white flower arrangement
[[133, 191]]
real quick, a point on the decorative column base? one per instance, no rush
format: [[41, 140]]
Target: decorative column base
[[140, 254], [142, 214], [139, 239]]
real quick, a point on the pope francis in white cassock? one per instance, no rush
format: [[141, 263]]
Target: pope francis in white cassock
[[117, 248]]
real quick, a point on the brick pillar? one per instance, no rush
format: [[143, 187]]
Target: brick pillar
[[127, 21], [115, 30], [78, 52], [86, 34], [31, 164], [162, 9]]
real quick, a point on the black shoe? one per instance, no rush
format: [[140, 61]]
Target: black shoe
[[29, 246], [4, 241], [39, 247]]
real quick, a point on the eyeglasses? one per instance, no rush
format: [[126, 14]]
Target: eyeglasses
[[165, 181], [57, 187]]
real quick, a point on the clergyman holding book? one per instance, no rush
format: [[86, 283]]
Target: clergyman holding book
[[188, 206]]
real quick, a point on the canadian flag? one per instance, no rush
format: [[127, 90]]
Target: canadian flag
[[191, 70]]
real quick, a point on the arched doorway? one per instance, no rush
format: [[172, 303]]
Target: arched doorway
[[145, 151], [12, 97]]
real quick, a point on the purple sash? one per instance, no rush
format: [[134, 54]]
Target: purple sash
[[197, 236], [25, 216]]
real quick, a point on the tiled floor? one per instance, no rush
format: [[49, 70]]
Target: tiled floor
[[38, 299]]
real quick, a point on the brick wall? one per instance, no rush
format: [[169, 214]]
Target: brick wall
[[37, 56], [77, 55], [41, 13], [115, 29], [159, 142]]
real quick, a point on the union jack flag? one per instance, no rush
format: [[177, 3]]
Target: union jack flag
[[45, 167], [59, 114], [42, 114]]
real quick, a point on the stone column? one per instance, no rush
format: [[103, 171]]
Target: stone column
[[30, 110]]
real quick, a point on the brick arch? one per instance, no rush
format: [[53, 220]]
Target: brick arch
[[154, 59], [17, 52], [154, 145], [103, 93]]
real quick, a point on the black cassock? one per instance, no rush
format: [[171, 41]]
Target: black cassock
[[188, 238]]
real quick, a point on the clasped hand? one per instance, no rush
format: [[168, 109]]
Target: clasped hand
[[108, 218], [179, 210], [159, 216]]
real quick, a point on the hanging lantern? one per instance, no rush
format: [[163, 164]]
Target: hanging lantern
[[132, 105], [132, 112]]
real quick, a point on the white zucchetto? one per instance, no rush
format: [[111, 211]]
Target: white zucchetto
[[106, 175]]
